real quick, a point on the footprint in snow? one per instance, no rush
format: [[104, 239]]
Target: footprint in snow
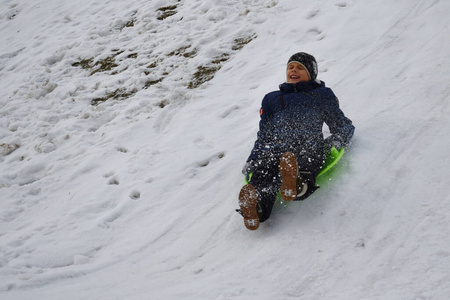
[[341, 4], [206, 162], [113, 181], [315, 34], [135, 195], [122, 149], [312, 14]]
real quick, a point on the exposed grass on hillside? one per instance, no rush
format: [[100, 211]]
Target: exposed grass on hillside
[[160, 65], [207, 72], [239, 43], [118, 94], [203, 75], [100, 65], [167, 11]]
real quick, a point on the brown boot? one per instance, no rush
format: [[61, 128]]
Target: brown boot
[[289, 173], [248, 202]]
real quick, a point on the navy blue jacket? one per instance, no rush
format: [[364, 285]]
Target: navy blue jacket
[[294, 116]]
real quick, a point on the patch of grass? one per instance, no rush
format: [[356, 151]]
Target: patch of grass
[[152, 65], [130, 23], [182, 52], [104, 65], [117, 94], [203, 75], [84, 63], [206, 73], [190, 54], [152, 82], [167, 11], [221, 59], [166, 8], [239, 43], [179, 51]]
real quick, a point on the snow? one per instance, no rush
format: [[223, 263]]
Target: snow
[[134, 197]]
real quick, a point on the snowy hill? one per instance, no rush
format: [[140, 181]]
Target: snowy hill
[[124, 126]]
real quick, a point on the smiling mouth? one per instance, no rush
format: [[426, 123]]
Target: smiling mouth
[[294, 77]]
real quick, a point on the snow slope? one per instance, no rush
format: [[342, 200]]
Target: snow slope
[[133, 197]]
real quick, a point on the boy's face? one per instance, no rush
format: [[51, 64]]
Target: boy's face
[[296, 73]]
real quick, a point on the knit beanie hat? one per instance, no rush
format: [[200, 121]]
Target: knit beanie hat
[[307, 61]]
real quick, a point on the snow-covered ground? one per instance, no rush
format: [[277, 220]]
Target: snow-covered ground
[[120, 164]]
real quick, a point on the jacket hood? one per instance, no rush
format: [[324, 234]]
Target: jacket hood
[[301, 86]]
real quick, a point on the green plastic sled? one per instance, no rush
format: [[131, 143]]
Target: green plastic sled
[[331, 160]]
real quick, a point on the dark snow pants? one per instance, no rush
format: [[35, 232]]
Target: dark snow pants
[[267, 179]]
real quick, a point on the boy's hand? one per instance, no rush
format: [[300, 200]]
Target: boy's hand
[[334, 141], [249, 167]]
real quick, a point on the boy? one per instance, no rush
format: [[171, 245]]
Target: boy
[[289, 149]]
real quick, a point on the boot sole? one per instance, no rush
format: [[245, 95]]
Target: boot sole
[[289, 173], [248, 202]]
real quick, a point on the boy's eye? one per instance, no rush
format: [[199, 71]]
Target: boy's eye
[[291, 67]]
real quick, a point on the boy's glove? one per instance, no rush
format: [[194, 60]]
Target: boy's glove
[[250, 167], [334, 141]]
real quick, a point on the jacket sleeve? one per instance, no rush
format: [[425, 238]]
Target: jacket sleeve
[[341, 127], [265, 133]]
